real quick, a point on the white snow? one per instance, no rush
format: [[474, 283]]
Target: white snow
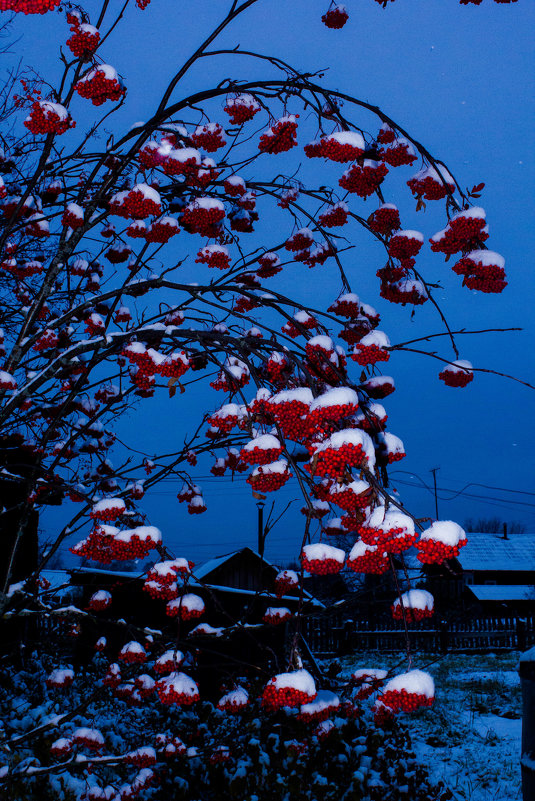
[[446, 531], [416, 682], [415, 599], [320, 551], [340, 396]]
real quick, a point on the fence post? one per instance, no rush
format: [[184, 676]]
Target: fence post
[[527, 762], [444, 636], [521, 641]]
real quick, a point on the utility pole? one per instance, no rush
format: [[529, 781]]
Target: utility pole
[[261, 537], [434, 471]]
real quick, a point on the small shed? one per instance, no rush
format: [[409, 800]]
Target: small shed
[[498, 572]]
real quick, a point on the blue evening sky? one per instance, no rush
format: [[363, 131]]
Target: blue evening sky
[[461, 80]]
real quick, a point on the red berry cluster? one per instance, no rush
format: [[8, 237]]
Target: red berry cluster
[[430, 187], [335, 17], [294, 328], [266, 481], [281, 136], [214, 256], [275, 697], [346, 306], [411, 615], [398, 154], [300, 240], [100, 84], [160, 590], [260, 455], [60, 679], [48, 339], [141, 757], [73, 216], [89, 738], [484, 277], [433, 552], [378, 387], [275, 617], [372, 561], [353, 331], [185, 608], [99, 601], [334, 461], [242, 108], [346, 498], [386, 135], [29, 6], [335, 412], [202, 219], [456, 378], [46, 117], [403, 292], [133, 654], [94, 325], [285, 581], [334, 148], [334, 216], [404, 701], [403, 246], [462, 231], [269, 265], [84, 41], [209, 137], [364, 180], [168, 694], [321, 567], [139, 203], [369, 354], [61, 748]]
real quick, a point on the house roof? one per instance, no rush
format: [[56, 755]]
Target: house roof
[[493, 552], [502, 592], [205, 569], [200, 574]]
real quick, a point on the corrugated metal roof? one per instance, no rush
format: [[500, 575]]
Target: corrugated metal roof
[[505, 592], [493, 552]]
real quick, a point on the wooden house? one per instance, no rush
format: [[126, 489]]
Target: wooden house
[[237, 586], [493, 573]]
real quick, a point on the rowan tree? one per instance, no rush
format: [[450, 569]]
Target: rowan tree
[[148, 264]]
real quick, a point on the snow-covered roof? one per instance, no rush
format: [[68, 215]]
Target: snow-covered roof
[[56, 578], [503, 592], [492, 552]]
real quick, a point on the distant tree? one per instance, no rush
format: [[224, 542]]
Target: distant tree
[[493, 525]]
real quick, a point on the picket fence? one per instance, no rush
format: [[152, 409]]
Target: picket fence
[[328, 635]]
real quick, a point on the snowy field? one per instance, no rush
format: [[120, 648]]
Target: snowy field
[[471, 737]]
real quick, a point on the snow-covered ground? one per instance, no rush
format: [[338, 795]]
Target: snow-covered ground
[[471, 737]]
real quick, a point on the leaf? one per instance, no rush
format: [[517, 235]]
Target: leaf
[[477, 188], [259, 496], [420, 204], [172, 386]]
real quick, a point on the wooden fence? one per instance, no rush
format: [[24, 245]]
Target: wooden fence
[[331, 634]]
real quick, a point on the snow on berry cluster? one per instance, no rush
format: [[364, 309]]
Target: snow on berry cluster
[[457, 374], [289, 689], [101, 83], [413, 606], [408, 692], [241, 108], [441, 541], [46, 117], [321, 559], [281, 136]]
